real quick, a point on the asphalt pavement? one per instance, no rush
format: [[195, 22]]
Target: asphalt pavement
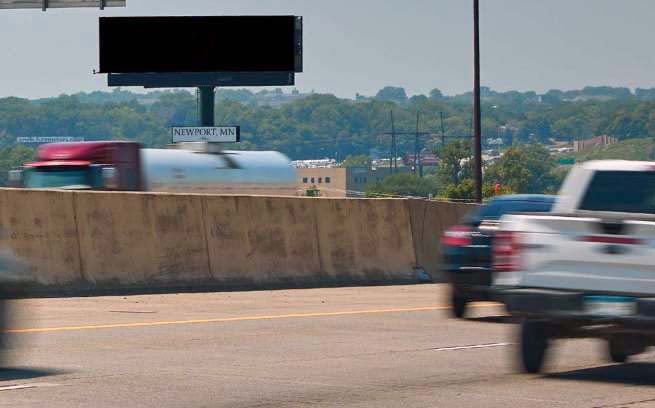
[[393, 346]]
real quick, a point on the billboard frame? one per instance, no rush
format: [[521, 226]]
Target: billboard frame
[[44, 5], [108, 45], [207, 82], [202, 79]]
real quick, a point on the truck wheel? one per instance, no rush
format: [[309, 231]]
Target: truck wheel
[[621, 347], [459, 305], [617, 355], [533, 343]]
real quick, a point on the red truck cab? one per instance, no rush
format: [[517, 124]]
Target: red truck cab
[[103, 165]]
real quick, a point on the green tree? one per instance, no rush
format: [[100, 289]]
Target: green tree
[[436, 94], [461, 191], [13, 157], [525, 169], [403, 184], [360, 160], [419, 100], [466, 190], [454, 166], [392, 94]]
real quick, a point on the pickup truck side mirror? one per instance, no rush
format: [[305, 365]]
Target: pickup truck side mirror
[[110, 178]]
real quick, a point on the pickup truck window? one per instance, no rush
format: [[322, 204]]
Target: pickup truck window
[[621, 191]]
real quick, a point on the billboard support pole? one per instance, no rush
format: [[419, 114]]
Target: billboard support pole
[[207, 94]]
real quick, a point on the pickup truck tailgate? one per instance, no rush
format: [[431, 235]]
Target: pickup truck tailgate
[[583, 253]]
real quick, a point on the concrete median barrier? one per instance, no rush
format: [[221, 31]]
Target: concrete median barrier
[[40, 229], [463, 208], [142, 240], [105, 241], [261, 241], [429, 220], [426, 232], [366, 241]]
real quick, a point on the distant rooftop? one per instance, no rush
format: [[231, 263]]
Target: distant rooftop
[[314, 164]]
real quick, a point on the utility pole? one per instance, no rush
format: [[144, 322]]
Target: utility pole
[[394, 147], [443, 131], [391, 148], [416, 153], [477, 140], [393, 151]]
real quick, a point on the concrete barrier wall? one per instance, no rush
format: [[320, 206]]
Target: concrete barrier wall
[[261, 241], [90, 241], [429, 221], [141, 239], [40, 228], [364, 240]]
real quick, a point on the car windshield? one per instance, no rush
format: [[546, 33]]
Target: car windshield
[[58, 177], [497, 208]]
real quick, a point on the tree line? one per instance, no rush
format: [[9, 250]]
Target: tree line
[[528, 169], [322, 125]]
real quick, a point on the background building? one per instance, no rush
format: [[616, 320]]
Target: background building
[[598, 141], [341, 181]]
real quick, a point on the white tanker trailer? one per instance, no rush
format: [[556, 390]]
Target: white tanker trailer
[[190, 168], [227, 172]]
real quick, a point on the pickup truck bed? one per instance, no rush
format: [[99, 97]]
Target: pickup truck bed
[[587, 269], [582, 252]]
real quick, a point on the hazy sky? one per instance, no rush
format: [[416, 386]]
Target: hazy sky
[[362, 45]]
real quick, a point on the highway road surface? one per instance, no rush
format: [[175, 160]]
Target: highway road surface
[[393, 346]]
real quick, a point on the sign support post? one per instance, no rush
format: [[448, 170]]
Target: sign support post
[[207, 105]]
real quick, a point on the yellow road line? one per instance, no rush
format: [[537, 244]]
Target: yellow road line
[[232, 319]]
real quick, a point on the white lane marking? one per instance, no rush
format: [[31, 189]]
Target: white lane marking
[[26, 386], [475, 346]]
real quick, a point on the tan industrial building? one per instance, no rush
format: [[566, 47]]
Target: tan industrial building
[[598, 141], [341, 181]]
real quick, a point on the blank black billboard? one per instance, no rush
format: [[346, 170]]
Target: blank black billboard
[[200, 44]]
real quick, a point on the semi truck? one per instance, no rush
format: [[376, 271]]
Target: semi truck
[[587, 268], [183, 168]]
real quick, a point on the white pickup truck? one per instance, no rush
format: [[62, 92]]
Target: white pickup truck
[[586, 269]]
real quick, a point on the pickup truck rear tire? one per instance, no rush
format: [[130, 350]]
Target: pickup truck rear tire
[[533, 344], [459, 304], [621, 347], [618, 356]]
